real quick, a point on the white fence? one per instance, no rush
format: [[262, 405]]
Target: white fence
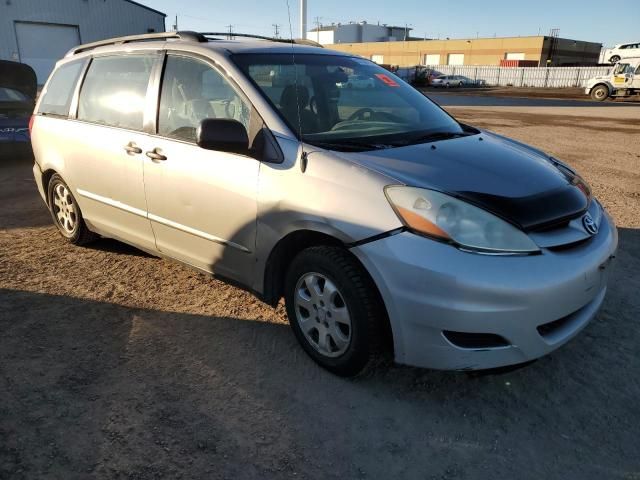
[[553, 77]]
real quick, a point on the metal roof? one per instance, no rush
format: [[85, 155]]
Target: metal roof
[[146, 8]]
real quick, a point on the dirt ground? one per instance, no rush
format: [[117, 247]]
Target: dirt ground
[[115, 364]]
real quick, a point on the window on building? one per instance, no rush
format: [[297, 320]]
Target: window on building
[[456, 59], [432, 59], [114, 91], [514, 56]]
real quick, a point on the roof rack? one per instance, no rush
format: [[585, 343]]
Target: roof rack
[[297, 41], [183, 35]]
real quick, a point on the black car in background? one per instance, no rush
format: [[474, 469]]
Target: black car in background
[[18, 89]]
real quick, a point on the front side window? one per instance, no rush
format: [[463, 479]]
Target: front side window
[[343, 102], [192, 90], [56, 98], [623, 68], [114, 91]]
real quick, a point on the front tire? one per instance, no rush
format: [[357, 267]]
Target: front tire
[[66, 213], [600, 93], [615, 59], [334, 309]]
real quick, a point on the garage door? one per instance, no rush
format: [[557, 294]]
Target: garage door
[[432, 59], [456, 59], [41, 45]]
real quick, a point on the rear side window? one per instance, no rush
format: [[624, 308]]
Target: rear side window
[[114, 91], [56, 98]]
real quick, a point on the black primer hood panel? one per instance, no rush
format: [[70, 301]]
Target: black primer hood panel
[[515, 182]]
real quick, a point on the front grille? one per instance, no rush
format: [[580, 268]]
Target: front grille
[[475, 340]]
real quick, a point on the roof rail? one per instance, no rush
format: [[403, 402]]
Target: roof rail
[[183, 35], [300, 41]]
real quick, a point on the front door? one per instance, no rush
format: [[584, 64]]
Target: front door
[[202, 203], [636, 78]]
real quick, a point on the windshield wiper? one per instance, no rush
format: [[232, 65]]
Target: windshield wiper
[[351, 145]]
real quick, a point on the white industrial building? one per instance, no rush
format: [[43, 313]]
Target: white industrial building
[[357, 32], [39, 32]]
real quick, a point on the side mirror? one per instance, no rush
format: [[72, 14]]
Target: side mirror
[[224, 135]]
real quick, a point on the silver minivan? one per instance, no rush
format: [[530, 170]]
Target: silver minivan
[[384, 223]]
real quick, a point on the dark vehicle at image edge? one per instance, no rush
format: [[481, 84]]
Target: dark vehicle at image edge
[[382, 221], [17, 98]]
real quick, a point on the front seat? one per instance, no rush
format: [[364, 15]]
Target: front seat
[[291, 97]]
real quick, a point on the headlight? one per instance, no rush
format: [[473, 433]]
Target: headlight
[[446, 218]]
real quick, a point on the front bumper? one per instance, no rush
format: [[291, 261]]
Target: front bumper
[[430, 287]]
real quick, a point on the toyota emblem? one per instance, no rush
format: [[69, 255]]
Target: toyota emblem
[[589, 225]]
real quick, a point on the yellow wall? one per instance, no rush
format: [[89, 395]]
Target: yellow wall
[[483, 51]]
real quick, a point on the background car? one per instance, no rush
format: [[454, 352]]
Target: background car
[[449, 81], [622, 50], [358, 81], [18, 89]]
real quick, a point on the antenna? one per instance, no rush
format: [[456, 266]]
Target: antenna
[[303, 14]]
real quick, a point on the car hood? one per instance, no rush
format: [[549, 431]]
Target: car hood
[[18, 76], [505, 177]]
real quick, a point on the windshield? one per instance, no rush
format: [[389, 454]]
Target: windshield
[[342, 102], [11, 95]]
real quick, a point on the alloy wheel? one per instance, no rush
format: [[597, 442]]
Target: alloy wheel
[[65, 209]]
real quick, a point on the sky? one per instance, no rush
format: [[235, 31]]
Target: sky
[[578, 20]]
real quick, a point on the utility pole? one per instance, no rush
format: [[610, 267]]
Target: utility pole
[[303, 18], [318, 25], [276, 30], [175, 25], [406, 30], [230, 34]]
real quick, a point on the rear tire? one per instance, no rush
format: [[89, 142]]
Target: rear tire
[[615, 59], [66, 213], [335, 310], [600, 93]]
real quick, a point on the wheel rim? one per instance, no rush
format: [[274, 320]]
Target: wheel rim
[[600, 93], [65, 209], [322, 315]]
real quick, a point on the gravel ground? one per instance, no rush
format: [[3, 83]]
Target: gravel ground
[[523, 92], [115, 364]]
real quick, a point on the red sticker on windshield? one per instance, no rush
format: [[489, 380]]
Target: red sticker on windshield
[[388, 81]]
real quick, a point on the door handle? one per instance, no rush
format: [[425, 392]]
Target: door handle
[[132, 148], [156, 155]]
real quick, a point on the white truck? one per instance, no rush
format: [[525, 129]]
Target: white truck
[[623, 80]]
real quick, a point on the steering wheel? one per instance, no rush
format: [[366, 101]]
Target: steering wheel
[[360, 114]]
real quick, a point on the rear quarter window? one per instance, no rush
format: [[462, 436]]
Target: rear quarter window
[[57, 95]]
